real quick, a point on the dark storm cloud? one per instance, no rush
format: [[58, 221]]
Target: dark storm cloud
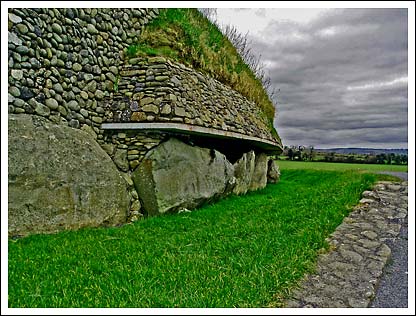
[[342, 78]]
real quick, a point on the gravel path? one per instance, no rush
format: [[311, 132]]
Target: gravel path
[[392, 289], [401, 175], [366, 265]]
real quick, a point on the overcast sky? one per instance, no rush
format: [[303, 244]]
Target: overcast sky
[[342, 73]]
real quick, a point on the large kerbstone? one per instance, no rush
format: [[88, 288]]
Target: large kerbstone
[[60, 178], [259, 178], [175, 175], [243, 172], [273, 172]]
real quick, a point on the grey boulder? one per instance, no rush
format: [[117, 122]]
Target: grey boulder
[[259, 178], [273, 172], [60, 178], [243, 172], [175, 176]]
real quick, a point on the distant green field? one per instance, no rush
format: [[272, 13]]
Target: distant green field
[[290, 165]]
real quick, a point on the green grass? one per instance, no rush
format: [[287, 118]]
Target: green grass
[[186, 36], [290, 165], [244, 251]]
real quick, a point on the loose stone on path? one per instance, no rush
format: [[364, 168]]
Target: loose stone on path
[[348, 275]]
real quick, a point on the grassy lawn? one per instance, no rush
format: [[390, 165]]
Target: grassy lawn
[[289, 165], [239, 252]]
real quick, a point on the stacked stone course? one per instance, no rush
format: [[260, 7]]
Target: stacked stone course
[[155, 89], [64, 62], [158, 90]]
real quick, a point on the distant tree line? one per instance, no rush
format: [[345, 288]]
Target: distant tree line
[[303, 153]]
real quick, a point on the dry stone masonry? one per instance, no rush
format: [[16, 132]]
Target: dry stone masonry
[[348, 275], [64, 62], [158, 90], [68, 75]]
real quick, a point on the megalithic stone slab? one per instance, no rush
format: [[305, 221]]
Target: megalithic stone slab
[[60, 178], [243, 172], [175, 175], [259, 178]]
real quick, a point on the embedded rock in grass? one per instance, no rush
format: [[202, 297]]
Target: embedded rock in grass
[[60, 178], [243, 172], [259, 178], [176, 176]]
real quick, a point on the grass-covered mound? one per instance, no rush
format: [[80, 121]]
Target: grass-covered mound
[[240, 252], [186, 36]]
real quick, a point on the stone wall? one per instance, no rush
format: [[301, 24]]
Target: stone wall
[[158, 90], [63, 62], [67, 66]]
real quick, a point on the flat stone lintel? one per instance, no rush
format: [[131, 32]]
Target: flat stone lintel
[[266, 145]]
